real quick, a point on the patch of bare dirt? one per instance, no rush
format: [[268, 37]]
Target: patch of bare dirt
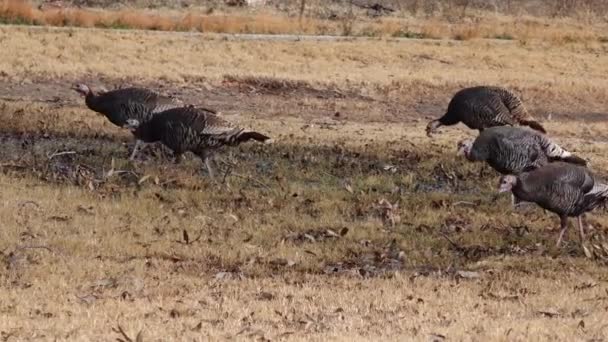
[[265, 97]]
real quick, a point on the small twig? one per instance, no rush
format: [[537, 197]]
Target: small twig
[[58, 154], [449, 175], [118, 172], [34, 247], [226, 173], [17, 166], [329, 174], [454, 244], [123, 333], [464, 203]]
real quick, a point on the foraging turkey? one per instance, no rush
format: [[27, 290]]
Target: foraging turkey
[[565, 189], [192, 129], [482, 107], [127, 103], [512, 150]]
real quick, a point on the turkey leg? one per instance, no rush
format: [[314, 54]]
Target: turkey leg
[[136, 148], [581, 228], [563, 226]]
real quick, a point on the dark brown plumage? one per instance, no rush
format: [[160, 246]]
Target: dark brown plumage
[[127, 103], [565, 189], [483, 107], [192, 129], [512, 150]]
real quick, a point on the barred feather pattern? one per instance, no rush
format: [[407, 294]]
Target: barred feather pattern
[[130, 103], [513, 150], [487, 106], [193, 129], [562, 188]]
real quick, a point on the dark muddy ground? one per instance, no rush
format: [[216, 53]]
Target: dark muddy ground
[[268, 97]]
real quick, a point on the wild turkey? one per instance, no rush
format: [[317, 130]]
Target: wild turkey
[[192, 129], [483, 107], [127, 103], [512, 150], [565, 189]]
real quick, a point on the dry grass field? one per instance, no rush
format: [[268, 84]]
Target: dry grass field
[[560, 23], [353, 225]]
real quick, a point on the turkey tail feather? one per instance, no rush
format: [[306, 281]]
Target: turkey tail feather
[[572, 159], [250, 135], [597, 196], [534, 125], [557, 153]]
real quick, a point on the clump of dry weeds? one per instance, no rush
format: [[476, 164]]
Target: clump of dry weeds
[[484, 25]]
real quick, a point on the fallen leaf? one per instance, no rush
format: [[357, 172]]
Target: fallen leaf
[[86, 210], [549, 313], [265, 296], [468, 274], [585, 286], [588, 253], [332, 233], [348, 188], [60, 218], [143, 179], [436, 337], [88, 299]]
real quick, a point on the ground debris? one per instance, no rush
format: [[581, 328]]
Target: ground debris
[[585, 286], [380, 261], [597, 247], [389, 212], [313, 236], [265, 296], [549, 313], [457, 224], [125, 338], [436, 337], [278, 86], [468, 274], [478, 252], [224, 275]]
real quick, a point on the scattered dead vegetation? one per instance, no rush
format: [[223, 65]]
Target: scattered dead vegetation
[[346, 228], [484, 24]]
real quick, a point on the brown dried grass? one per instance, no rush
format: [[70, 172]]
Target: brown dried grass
[[186, 258], [119, 256], [481, 26]]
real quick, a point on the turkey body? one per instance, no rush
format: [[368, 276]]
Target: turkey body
[[513, 150], [193, 129], [120, 105], [482, 107], [129, 103], [562, 188]]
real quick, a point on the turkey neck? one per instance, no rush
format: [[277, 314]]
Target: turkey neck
[[449, 118], [477, 153], [146, 133], [91, 101], [520, 191]]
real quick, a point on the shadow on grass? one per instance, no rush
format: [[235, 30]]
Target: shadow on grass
[[326, 201]]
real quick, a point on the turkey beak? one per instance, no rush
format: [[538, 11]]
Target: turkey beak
[[131, 125]]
